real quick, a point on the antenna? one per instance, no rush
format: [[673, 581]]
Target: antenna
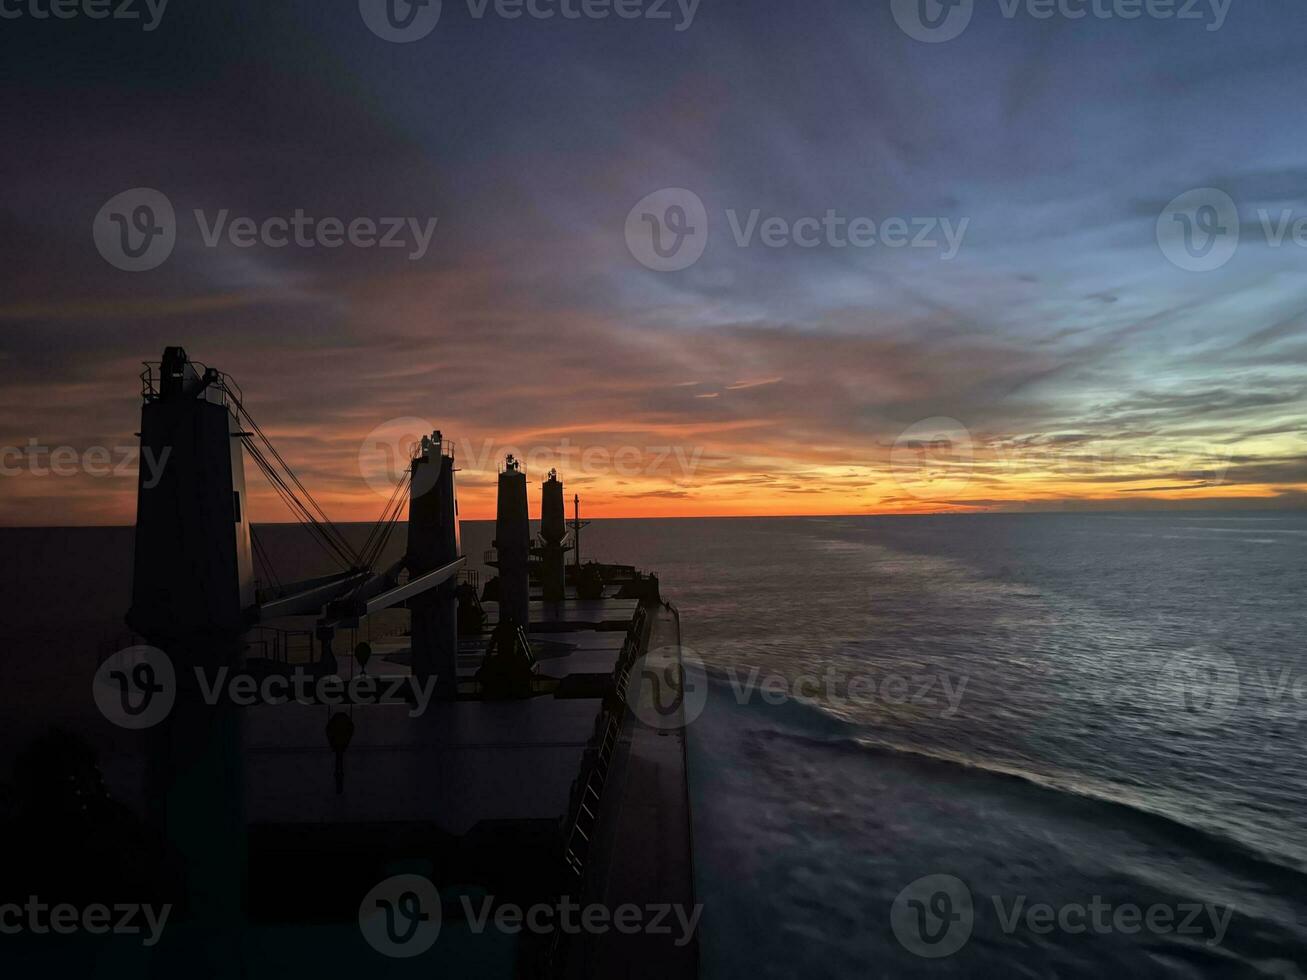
[[577, 524]]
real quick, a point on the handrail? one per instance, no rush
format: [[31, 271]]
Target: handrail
[[226, 387]]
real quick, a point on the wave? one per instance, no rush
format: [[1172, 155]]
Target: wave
[[1236, 855], [808, 724]]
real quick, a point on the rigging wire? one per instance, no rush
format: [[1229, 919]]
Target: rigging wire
[[305, 507], [265, 563], [335, 549], [379, 537], [303, 504]]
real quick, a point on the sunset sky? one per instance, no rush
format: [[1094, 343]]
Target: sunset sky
[[1058, 360]]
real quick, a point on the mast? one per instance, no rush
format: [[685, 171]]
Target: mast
[[513, 544], [553, 529], [576, 533], [434, 542], [192, 591]]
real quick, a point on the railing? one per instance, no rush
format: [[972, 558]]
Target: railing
[[588, 788], [589, 784], [415, 451], [228, 392], [224, 392], [567, 543], [279, 645]]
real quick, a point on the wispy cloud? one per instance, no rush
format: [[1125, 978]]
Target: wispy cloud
[[1081, 367]]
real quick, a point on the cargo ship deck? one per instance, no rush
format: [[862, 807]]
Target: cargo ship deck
[[485, 797]]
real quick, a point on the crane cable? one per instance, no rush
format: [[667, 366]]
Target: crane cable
[[333, 545], [265, 563], [379, 537], [305, 506], [312, 511]]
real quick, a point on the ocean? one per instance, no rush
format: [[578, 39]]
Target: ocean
[[981, 745]]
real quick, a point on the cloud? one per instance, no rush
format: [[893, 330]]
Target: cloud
[[1077, 360]]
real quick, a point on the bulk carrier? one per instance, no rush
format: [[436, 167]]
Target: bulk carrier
[[496, 746]]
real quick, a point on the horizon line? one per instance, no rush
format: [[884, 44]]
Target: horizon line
[[756, 517]]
